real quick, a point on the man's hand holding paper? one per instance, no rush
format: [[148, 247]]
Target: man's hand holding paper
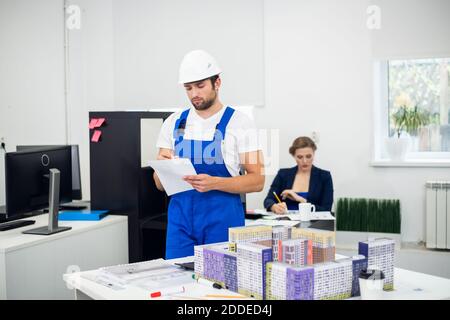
[[202, 182], [171, 173]]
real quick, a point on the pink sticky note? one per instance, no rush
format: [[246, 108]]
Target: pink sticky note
[[96, 136], [99, 122], [93, 123]]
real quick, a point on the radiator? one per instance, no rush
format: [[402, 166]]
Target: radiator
[[438, 214]]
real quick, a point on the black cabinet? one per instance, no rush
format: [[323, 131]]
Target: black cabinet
[[122, 183], [153, 231]]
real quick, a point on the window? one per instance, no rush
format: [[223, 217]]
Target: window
[[419, 94], [412, 100]]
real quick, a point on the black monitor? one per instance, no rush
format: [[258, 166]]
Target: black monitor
[[27, 179], [76, 175]]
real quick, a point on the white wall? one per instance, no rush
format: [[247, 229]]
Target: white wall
[[317, 58], [31, 74], [308, 62], [151, 38], [412, 28], [318, 61], [91, 75]]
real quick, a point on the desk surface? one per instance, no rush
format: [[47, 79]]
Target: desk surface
[[100, 292], [14, 239], [409, 285]]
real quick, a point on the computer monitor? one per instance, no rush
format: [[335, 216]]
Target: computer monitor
[[76, 175], [27, 179]]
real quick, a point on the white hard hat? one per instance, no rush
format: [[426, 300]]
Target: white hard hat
[[197, 65]]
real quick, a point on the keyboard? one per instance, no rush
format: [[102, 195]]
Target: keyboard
[[15, 224]]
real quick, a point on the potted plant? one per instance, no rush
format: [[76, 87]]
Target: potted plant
[[411, 119], [407, 119]]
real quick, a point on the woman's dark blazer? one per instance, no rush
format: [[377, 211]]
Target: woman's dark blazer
[[320, 191]]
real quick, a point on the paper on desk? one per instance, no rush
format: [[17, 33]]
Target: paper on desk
[[149, 275], [105, 280], [322, 215], [318, 215], [291, 214], [164, 279], [263, 212], [295, 216], [268, 214], [132, 271], [171, 173], [266, 222]]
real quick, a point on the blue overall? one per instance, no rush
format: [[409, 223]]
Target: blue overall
[[293, 205], [196, 218]]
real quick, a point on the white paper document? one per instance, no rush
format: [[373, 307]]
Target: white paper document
[[149, 275], [266, 213], [267, 222], [294, 215], [322, 215], [171, 173], [318, 215], [263, 212]]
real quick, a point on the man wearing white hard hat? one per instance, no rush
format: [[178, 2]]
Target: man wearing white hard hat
[[219, 141]]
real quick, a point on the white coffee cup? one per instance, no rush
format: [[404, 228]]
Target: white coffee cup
[[305, 210], [371, 283]]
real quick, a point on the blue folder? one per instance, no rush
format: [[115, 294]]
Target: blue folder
[[86, 215]]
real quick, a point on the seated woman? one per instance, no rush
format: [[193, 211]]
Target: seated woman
[[302, 183]]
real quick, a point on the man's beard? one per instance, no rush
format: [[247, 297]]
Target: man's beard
[[205, 105]]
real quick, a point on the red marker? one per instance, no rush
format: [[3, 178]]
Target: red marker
[[167, 291]]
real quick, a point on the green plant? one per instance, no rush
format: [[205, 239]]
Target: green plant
[[410, 119], [368, 215]]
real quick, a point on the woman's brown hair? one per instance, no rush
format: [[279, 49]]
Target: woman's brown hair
[[302, 142]]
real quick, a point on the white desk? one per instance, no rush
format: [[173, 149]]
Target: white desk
[[85, 289], [32, 266], [408, 285]]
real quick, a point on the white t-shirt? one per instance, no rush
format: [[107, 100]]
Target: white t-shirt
[[240, 136]]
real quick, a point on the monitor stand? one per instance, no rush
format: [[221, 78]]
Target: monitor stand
[[53, 200]]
